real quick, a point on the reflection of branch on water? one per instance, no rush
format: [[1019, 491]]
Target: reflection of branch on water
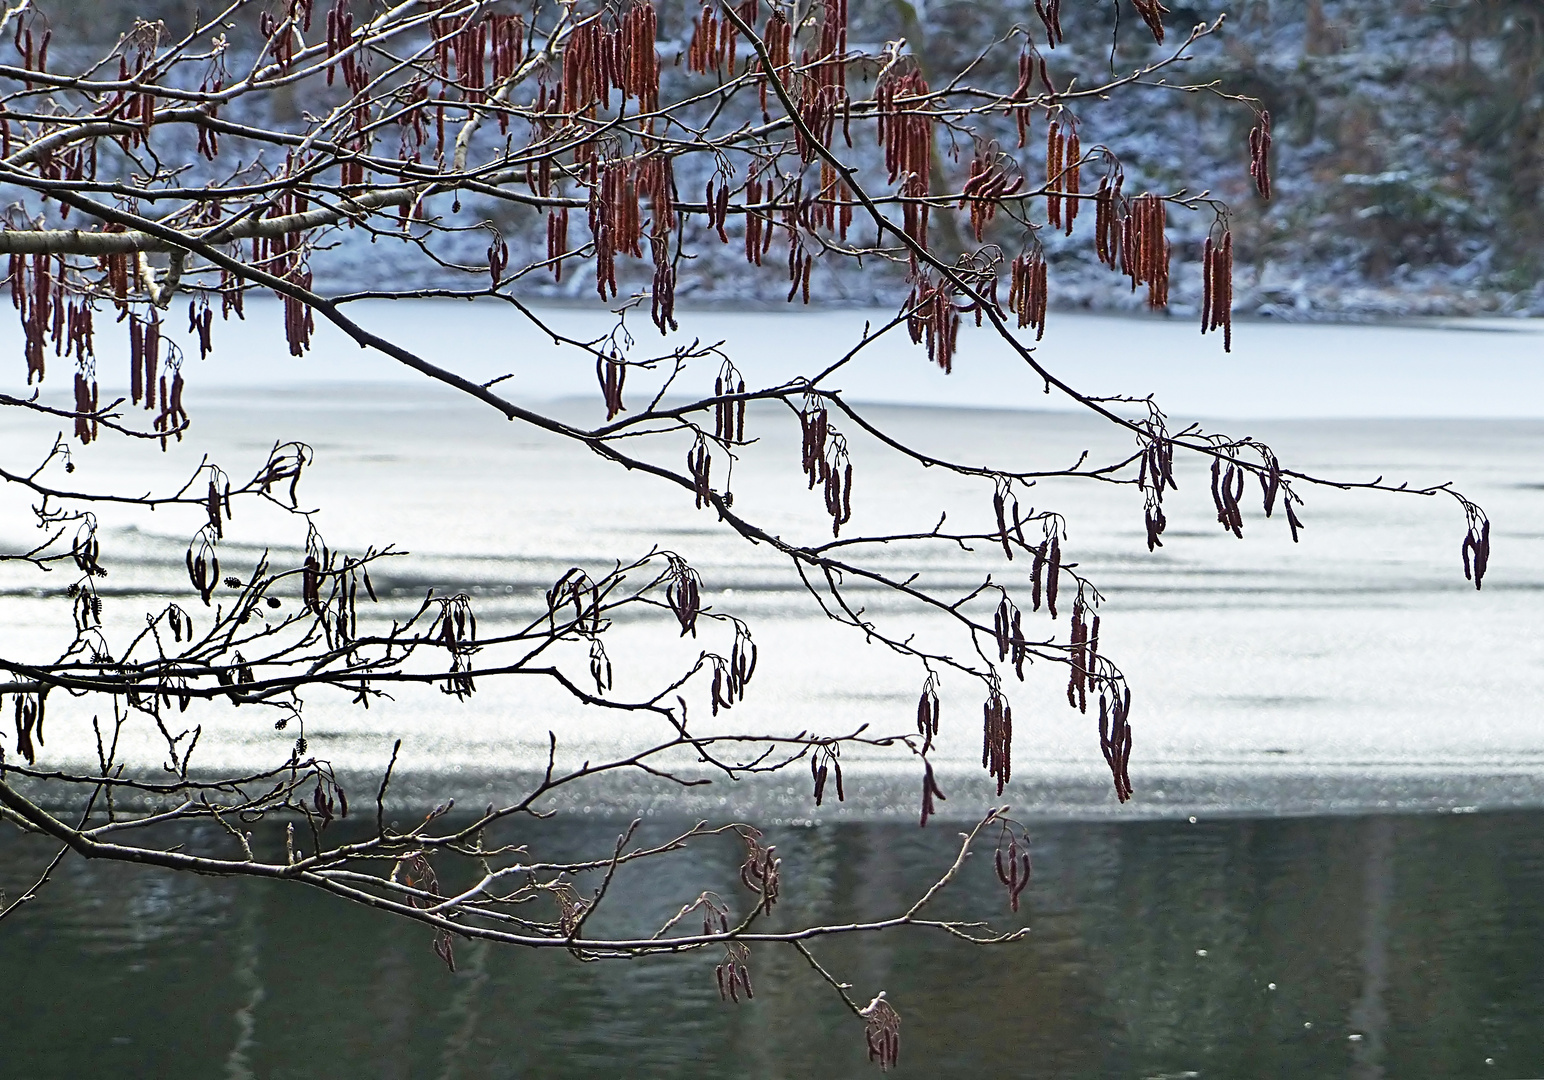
[[1370, 1014], [248, 976]]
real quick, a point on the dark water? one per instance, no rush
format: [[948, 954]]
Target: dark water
[[1224, 948]]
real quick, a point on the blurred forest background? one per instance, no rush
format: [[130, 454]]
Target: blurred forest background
[[1409, 149]]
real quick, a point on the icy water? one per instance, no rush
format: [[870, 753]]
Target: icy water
[[1367, 946], [1355, 728]]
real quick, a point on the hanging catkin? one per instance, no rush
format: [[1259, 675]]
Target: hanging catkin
[[1260, 154], [1217, 287], [907, 136], [1027, 291], [1145, 248], [1055, 147]]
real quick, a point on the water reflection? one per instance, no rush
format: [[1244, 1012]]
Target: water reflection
[[1368, 946], [1370, 1015]]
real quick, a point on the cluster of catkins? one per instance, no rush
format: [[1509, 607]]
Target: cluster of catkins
[[1228, 492], [596, 60], [1260, 154], [730, 679], [826, 463], [906, 132], [1115, 740], [826, 763], [988, 183], [1012, 864], [617, 189], [611, 373], [832, 208], [29, 723], [1217, 287], [47, 313], [714, 41], [1063, 162], [733, 974], [1029, 291], [683, 593], [729, 415], [997, 738], [932, 316], [469, 42], [777, 38], [1008, 631], [883, 1033], [1476, 544], [1082, 654], [930, 791], [1144, 249], [1031, 64], [1155, 473], [759, 871], [700, 464], [823, 87], [147, 375]]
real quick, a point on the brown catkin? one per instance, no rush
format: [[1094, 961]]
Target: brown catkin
[[1226, 281], [1147, 249], [557, 239], [1208, 303], [1016, 290], [1071, 183], [1053, 574], [136, 361], [1152, 14], [1217, 287], [1040, 290], [151, 356], [1028, 293], [907, 136], [1054, 146], [753, 221], [82, 406], [1260, 155], [1075, 654]]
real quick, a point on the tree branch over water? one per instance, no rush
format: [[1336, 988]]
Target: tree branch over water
[[465, 136]]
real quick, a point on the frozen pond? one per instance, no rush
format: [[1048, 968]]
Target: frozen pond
[[1354, 670]]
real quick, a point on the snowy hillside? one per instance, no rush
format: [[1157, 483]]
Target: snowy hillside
[[1409, 155]]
